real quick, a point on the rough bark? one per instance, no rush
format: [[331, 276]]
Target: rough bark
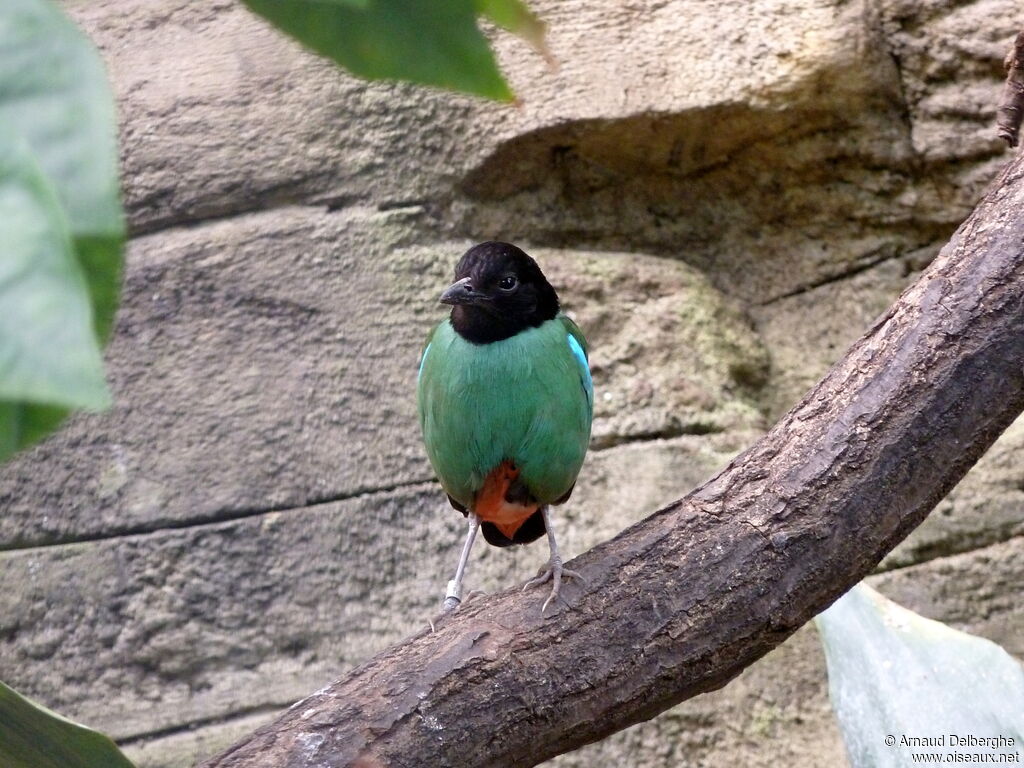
[[1011, 104], [680, 603]]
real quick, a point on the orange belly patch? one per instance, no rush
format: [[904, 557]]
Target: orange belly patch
[[491, 506]]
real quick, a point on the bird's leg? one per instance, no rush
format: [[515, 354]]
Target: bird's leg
[[554, 571], [454, 594]]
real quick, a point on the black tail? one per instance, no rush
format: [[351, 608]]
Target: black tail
[[529, 531]]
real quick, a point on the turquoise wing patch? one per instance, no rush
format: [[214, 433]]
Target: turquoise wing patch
[[581, 358]]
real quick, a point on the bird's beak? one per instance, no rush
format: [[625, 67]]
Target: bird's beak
[[461, 292]]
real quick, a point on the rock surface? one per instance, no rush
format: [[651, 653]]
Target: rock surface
[[725, 195]]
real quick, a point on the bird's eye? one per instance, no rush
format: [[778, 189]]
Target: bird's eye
[[507, 283]]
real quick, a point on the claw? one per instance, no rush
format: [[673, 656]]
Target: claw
[[451, 603], [447, 609], [554, 573]]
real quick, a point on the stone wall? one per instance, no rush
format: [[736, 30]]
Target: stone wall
[[725, 194]]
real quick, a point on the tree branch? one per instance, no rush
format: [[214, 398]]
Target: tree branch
[[1011, 104], [680, 603]]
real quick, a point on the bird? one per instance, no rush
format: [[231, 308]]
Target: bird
[[506, 401]]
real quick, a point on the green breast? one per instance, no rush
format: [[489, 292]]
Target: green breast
[[525, 398]]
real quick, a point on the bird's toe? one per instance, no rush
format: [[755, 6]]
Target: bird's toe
[[555, 573], [543, 578]]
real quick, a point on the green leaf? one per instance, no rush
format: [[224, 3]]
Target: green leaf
[[433, 43], [516, 17], [899, 676], [54, 94], [24, 424], [64, 229], [31, 736], [48, 350], [350, 3]]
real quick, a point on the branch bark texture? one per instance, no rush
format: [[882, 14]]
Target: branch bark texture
[[683, 601], [1011, 104]]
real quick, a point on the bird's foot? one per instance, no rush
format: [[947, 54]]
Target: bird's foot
[[453, 597], [554, 573], [451, 604]]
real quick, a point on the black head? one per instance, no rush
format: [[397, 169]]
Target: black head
[[498, 292]]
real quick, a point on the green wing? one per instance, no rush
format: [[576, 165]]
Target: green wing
[[582, 354], [528, 398]]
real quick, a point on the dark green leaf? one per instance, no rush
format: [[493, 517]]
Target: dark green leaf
[[100, 257], [433, 43], [24, 424], [32, 736], [894, 674], [350, 3]]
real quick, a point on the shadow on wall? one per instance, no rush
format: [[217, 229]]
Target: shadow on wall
[[767, 201]]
